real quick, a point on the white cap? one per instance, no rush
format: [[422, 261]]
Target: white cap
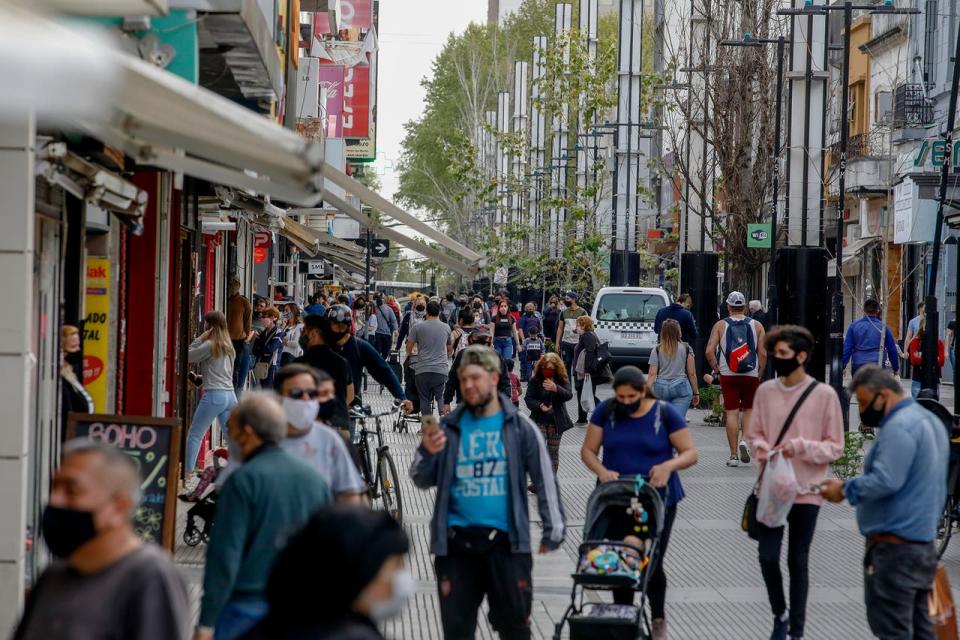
[[736, 299]]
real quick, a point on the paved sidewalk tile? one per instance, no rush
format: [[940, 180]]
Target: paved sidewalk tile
[[715, 588]]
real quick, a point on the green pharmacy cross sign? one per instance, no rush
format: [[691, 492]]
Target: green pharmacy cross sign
[[758, 236]]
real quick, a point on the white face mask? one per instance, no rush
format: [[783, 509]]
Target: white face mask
[[301, 413], [403, 586]]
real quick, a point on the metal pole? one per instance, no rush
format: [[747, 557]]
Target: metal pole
[[931, 332], [808, 81], [836, 325], [772, 302], [367, 290]]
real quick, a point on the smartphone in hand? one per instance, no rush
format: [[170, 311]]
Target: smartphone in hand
[[428, 424]]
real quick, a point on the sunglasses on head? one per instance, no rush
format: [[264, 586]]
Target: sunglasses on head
[[300, 394]]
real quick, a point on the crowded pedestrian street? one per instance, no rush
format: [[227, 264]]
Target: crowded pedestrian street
[[716, 590], [479, 319]]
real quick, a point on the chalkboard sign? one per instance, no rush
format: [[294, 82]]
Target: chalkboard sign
[[155, 445]]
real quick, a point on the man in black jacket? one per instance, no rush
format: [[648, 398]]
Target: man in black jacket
[[360, 354], [481, 336], [319, 355], [678, 311]]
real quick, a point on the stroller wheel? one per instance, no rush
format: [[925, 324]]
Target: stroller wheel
[[191, 536]]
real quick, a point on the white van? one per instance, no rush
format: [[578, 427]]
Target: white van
[[623, 318]]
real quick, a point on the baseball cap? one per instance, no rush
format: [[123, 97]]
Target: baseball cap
[[736, 299], [571, 294], [486, 357]]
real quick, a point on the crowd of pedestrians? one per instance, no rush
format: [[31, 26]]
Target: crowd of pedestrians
[[293, 510]]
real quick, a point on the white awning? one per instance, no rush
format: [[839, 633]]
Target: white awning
[[850, 252], [161, 119], [92, 183], [469, 270], [472, 261]]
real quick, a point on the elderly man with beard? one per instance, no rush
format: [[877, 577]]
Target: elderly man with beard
[[481, 460]]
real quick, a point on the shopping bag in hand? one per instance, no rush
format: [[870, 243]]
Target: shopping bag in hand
[[778, 490], [942, 610], [586, 396]]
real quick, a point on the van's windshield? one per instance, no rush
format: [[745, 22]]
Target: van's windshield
[[629, 307]]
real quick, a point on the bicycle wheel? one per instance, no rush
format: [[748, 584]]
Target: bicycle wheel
[[945, 525], [388, 484]]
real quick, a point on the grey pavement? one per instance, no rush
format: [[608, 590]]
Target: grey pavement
[[715, 588]]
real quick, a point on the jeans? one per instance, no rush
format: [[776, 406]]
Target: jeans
[[504, 346], [239, 617], [215, 403], [897, 580], [241, 366], [382, 343], [566, 353], [429, 388], [676, 391], [802, 521]]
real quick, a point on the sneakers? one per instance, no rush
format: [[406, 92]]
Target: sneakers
[[744, 453], [659, 629], [781, 625], [733, 462]]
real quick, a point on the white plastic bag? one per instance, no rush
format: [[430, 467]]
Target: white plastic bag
[[778, 490], [586, 396]]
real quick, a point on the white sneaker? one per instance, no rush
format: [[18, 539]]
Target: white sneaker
[[733, 462], [744, 453]]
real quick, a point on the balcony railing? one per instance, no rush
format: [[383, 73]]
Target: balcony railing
[[911, 107], [862, 145]]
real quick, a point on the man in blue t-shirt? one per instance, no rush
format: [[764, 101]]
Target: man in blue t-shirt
[[480, 460]]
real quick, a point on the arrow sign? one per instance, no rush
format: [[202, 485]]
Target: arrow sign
[[379, 248], [758, 236]]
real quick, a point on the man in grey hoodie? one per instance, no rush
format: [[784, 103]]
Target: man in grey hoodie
[[479, 460]]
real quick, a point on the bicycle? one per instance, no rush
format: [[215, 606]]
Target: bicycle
[[950, 517], [376, 464]]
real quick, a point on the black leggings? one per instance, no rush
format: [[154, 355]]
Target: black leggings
[[802, 521], [657, 586]]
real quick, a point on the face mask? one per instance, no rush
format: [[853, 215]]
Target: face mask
[[421, 309], [477, 305], [785, 366], [66, 530], [326, 410], [304, 341], [870, 416], [402, 586], [625, 409], [300, 413], [75, 360], [333, 337], [566, 301], [547, 373]]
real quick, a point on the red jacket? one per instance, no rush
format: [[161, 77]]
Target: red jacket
[[916, 352]]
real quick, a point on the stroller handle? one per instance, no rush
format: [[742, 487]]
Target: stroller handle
[[632, 479]]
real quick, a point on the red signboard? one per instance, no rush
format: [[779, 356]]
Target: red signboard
[[261, 242], [356, 102], [354, 14]]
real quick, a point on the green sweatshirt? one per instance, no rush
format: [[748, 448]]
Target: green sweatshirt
[[261, 504]]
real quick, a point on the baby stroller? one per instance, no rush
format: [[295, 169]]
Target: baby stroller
[[205, 502], [605, 564]]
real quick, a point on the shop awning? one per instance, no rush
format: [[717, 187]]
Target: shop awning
[[303, 237], [466, 261], [160, 119], [92, 183], [851, 252]]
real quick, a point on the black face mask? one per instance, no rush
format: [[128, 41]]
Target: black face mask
[[327, 409], [66, 530], [333, 337], [785, 366], [75, 360], [870, 416], [304, 342], [421, 309], [568, 302], [477, 305], [625, 409]]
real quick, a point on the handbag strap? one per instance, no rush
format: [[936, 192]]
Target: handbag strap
[[786, 424]]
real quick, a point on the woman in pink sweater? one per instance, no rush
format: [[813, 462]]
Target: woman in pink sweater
[[813, 440]]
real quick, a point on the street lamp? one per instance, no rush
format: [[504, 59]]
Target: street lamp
[[773, 303], [836, 321]]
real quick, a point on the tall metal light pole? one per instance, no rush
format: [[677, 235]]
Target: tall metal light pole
[[836, 317], [773, 304], [932, 331]]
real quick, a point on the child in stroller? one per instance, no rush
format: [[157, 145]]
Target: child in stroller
[[205, 501], [609, 561]]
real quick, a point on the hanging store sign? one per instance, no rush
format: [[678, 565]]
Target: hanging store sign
[[331, 79], [354, 14], [261, 243], [913, 217], [758, 236], [938, 153], [96, 330], [356, 102]]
